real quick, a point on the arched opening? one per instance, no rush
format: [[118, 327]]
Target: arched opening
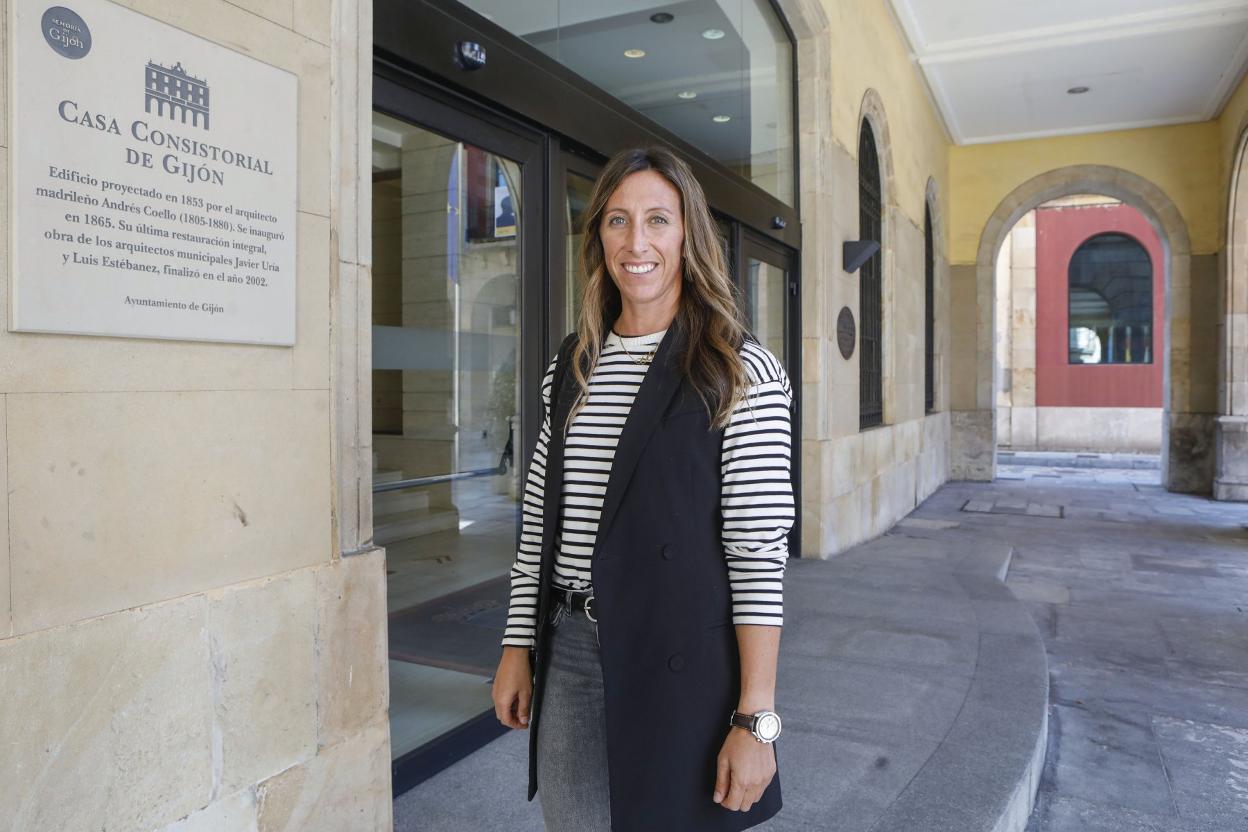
[[1079, 314], [1231, 464], [1187, 431], [870, 283], [1110, 301], [929, 310]]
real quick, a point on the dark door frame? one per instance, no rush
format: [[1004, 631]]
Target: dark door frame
[[430, 109], [751, 244], [554, 122]]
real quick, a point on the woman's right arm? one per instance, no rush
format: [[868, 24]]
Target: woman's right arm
[[513, 685]]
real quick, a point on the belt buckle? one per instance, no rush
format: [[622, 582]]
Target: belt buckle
[[589, 606]]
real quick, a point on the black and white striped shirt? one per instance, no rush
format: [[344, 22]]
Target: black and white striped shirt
[[756, 497]]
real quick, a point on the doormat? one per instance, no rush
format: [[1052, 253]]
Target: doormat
[[460, 631]]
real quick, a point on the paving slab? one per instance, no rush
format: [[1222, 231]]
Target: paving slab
[[1207, 766], [1056, 813], [1107, 758]]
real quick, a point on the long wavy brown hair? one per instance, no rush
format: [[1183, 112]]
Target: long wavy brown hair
[[708, 315]]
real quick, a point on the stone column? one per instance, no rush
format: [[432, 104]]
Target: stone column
[[1023, 333], [1003, 342], [1231, 443]]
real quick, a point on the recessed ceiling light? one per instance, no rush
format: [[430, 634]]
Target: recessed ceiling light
[[713, 34], [1077, 90], [634, 53], [721, 119], [686, 94], [661, 17]]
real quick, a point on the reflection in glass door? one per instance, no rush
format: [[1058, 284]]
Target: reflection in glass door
[[578, 187], [768, 289], [769, 295], [765, 291], [447, 231]]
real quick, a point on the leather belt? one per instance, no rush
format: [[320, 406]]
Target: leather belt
[[576, 601]]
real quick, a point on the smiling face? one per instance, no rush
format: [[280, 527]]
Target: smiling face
[[643, 238]]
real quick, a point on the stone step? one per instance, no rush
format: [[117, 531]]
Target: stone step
[[408, 524], [389, 503]]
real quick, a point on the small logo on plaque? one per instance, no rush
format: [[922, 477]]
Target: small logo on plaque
[[66, 32], [176, 93]]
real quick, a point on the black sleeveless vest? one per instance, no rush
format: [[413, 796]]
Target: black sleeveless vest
[[670, 665]]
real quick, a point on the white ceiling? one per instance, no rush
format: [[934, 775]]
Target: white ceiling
[[998, 70]]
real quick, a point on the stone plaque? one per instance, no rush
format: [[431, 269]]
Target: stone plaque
[[153, 180], [846, 336]]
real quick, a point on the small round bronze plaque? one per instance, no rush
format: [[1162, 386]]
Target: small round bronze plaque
[[845, 335]]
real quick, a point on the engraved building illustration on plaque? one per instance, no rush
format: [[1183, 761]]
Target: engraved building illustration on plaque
[[172, 88]]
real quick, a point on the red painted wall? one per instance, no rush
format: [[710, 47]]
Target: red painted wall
[[1059, 232]]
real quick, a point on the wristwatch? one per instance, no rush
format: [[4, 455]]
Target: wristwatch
[[764, 725]]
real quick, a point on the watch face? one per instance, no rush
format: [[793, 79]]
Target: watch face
[[768, 726]]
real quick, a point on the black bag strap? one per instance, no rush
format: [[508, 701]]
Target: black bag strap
[[562, 359]]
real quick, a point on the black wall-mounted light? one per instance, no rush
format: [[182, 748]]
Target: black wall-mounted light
[[856, 252]]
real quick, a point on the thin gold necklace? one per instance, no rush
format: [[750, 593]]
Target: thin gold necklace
[[645, 359]]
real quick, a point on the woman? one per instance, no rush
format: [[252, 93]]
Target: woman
[[646, 594]]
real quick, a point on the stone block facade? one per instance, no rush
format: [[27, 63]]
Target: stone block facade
[[192, 615], [858, 483]]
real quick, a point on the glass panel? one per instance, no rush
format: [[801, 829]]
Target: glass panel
[[1111, 302], [717, 73], [764, 305], [579, 188], [446, 332]]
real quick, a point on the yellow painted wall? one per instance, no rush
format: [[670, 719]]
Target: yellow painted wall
[[1183, 160], [868, 51]]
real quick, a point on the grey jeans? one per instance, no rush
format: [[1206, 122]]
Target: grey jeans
[[572, 735]]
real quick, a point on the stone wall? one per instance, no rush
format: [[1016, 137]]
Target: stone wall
[[1231, 457], [856, 484], [182, 644]]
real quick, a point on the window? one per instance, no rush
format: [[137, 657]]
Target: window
[[929, 312], [1110, 302], [870, 302]]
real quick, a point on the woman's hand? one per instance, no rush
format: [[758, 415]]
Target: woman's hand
[[513, 688], [743, 771]]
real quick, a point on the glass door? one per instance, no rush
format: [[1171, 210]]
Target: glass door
[[768, 280], [768, 285], [574, 184], [457, 241]]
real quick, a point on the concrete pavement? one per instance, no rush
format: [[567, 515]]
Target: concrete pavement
[[918, 690]]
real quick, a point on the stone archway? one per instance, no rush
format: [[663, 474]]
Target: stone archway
[[1231, 465], [1187, 431]]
